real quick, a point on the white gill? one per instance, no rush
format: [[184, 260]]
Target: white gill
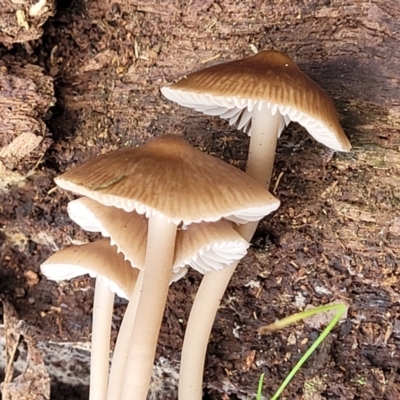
[[216, 256], [238, 112]]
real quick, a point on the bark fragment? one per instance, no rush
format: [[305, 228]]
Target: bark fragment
[[26, 95], [33, 383]]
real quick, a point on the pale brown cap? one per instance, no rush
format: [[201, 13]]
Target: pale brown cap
[[231, 90], [170, 177], [204, 246], [98, 259]]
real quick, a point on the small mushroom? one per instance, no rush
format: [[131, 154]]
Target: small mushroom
[[113, 275], [173, 184], [261, 94], [206, 246]]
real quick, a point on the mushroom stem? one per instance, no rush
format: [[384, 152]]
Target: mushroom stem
[[201, 319], [198, 330], [122, 345], [100, 353], [265, 129], [156, 278]]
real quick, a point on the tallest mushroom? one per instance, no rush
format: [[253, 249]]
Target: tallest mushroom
[[172, 184], [261, 94]]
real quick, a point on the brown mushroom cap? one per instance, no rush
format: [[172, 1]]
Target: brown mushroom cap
[[169, 177], [205, 246], [96, 259], [231, 90]]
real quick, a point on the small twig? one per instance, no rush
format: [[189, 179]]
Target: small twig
[[52, 190], [211, 59], [109, 183], [277, 182]]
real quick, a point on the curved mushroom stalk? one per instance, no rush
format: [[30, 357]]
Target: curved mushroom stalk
[[198, 329], [119, 358], [201, 319], [157, 274]]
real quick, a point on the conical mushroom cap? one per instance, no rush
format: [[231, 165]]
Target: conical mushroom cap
[[96, 259], [169, 177], [204, 246], [231, 90]]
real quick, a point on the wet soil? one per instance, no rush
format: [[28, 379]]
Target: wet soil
[[336, 236]]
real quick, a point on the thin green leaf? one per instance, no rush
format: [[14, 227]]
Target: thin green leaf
[[340, 308], [260, 386]]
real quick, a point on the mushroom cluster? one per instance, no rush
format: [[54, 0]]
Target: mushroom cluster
[[165, 206]]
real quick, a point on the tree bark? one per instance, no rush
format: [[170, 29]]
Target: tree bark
[[25, 97]]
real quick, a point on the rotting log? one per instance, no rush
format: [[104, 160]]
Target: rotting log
[[22, 20]]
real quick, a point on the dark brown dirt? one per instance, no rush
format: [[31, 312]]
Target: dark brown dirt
[[335, 237]]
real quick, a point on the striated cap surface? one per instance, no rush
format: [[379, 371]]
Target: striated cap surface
[[231, 90], [170, 177]]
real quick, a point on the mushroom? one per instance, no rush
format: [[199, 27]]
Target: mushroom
[[114, 275], [261, 94], [205, 246], [172, 184]]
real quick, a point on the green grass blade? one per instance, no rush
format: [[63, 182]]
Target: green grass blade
[[260, 386], [283, 323], [308, 353], [340, 308]]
